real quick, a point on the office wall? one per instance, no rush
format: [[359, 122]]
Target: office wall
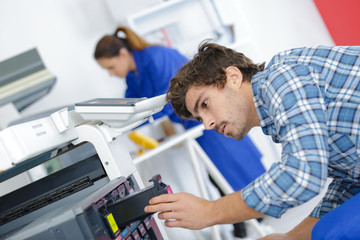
[[65, 33], [280, 24]]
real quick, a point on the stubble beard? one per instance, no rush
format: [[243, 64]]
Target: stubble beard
[[238, 134]]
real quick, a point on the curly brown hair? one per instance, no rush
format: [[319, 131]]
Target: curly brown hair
[[208, 67]]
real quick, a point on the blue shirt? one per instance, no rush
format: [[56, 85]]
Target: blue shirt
[[308, 99], [238, 161]]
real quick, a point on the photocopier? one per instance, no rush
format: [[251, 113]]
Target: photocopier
[[99, 194]]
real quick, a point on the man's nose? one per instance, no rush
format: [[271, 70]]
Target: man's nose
[[209, 123]]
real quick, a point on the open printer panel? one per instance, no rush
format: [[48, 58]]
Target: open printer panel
[[89, 218], [80, 202]]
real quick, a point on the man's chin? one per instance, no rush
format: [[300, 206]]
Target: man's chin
[[237, 137], [230, 136]]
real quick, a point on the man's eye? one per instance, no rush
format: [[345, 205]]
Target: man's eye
[[204, 104], [198, 119]]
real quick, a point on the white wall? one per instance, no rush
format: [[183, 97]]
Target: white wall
[[281, 24], [65, 33]]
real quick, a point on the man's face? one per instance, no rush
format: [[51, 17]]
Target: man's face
[[226, 110]]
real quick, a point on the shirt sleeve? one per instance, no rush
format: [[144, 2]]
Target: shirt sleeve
[[294, 101]]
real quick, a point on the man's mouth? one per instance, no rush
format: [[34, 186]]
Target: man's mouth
[[222, 129]]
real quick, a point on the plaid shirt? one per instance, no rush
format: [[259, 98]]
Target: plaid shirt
[[308, 99]]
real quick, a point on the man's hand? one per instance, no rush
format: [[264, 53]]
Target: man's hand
[[188, 211], [182, 210]]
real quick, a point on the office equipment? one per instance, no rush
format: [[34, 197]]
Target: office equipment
[[86, 199], [142, 141], [130, 208], [129, 112], [108, 213], [23, 80]]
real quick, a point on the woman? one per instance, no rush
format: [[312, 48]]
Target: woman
[[148, 70]]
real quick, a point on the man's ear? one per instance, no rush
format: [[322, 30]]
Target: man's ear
[[123, 52], [234, 76]]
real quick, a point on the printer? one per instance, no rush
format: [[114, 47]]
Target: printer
[[24, 79], [100, 194]]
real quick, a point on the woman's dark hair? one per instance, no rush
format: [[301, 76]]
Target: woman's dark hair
[[208, 67], [110, 45]]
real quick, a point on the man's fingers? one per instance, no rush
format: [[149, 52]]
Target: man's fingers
[[178, 223], [167, 215], [161, 207], [163, 198], [155, 208], [173, 223], [180, 210], [161, 203]]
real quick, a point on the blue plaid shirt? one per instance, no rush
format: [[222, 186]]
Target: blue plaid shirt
[[308, 99]]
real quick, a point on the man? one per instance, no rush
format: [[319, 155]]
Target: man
[[307, 99]]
